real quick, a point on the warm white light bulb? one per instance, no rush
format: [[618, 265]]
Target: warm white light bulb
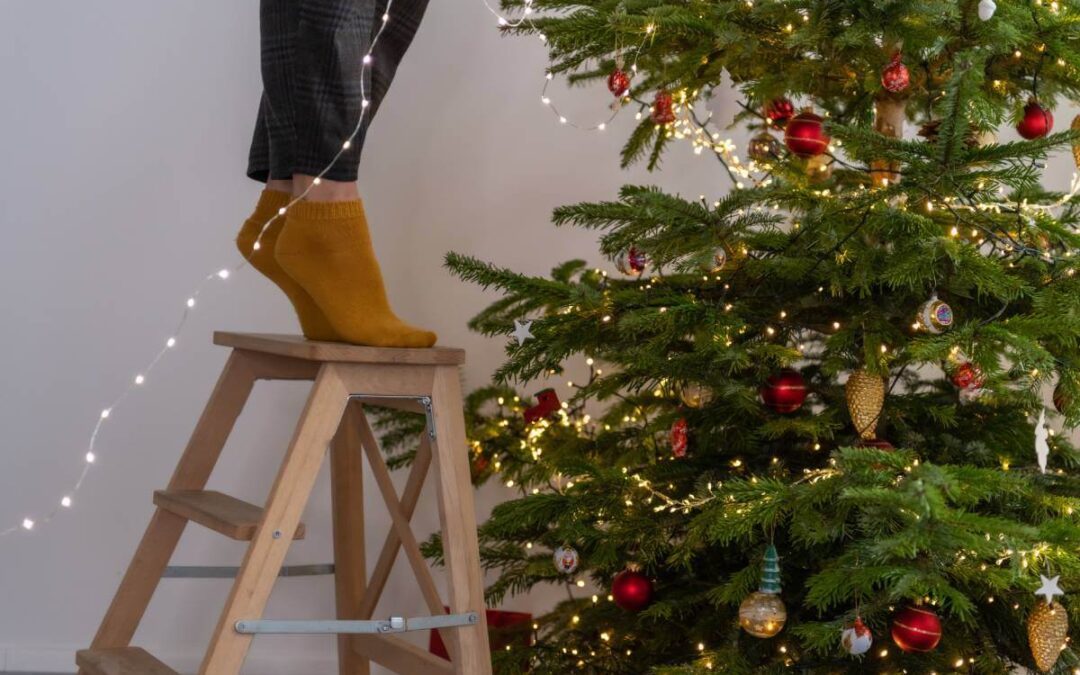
[[66, 502], [282, 211], [317, 181], [190, 302], [90, 457], [502, 21], [367, 58], [365, 103], [105, 413], [170, 343], [385, 18], [139, 379], [224, 274], [257, 246], [346, 145], [27, 524]]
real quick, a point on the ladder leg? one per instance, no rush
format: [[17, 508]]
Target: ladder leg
[[458, 516], [289, 495], [347, 497], [163, 533]]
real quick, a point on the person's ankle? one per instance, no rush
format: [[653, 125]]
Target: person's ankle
[[324, 190]]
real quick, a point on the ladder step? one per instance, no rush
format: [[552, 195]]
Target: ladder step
[[122, 661], [227, 515]]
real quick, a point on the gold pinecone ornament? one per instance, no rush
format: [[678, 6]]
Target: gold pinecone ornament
[[1047, 627], [865, 397]]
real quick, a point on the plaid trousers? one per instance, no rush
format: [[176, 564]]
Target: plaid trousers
[[313, 79]]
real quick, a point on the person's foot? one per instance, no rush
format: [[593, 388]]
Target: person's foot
[[312, 321], [326, 248]]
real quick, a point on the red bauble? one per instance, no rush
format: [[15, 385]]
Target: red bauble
[[1036, 122], [805, 135], [895, 77], [779, 111], [631, 590], [679, 437], [785, 391], [967, 375], [916, 629], [662, 112], [618, 82]]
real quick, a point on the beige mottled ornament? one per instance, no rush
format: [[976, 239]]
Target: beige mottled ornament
[[1076, 144], [865, 397], [1047, 627]]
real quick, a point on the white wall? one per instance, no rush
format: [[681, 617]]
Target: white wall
[[124, 132], [123, 137]]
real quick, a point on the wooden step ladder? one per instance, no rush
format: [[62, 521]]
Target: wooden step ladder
[[345, 378]]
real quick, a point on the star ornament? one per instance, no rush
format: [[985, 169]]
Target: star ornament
[[1049, 588], [522, 331]]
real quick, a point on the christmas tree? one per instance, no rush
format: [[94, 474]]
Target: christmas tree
[[813, 437]]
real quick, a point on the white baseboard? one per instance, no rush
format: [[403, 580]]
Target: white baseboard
[[51, 659]]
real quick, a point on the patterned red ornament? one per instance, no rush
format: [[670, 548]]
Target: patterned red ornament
[[805, 135], [779, 111], [632, 590], [895, 76], [618, 83], [1036, 122], [662, 111], [632, 263], [916, 629], [679, 437], [967, 375], [785, 391]]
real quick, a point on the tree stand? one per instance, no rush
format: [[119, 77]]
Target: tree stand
[[345, 378]]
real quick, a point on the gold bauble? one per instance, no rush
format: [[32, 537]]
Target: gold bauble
[[694, 395], [762, 614], [865, 397], [1047, 627]]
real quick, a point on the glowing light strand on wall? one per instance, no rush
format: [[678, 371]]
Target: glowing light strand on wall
[[31, 522]]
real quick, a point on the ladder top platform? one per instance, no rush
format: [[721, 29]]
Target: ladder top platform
[[298, 347]]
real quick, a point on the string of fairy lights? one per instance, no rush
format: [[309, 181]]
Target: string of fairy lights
[[90, 457], [686, 127]]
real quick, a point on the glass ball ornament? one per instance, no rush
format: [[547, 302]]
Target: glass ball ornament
[[784, 392], [764, 147], [916, 629], [895, 77], [935, 316], [762, 614], [566, 559], [631, 590], [719, 259], [857, 638], [632, 262], [805, 135], [694, 394], [1036, 121]]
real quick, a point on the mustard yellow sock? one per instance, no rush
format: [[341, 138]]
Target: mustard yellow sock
[[326, 248], [312, 321]]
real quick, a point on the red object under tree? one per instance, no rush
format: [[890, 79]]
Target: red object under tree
[[505, 629]]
